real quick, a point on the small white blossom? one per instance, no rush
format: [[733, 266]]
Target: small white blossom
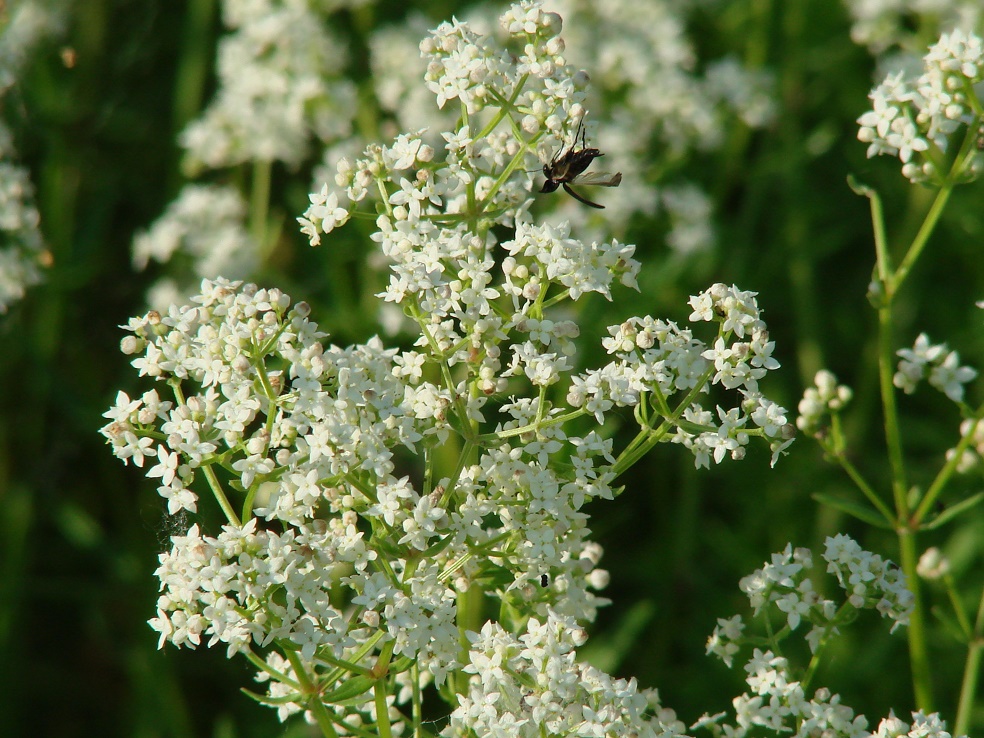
[[818, 402], [935, 362], [933, 564], [914, 119]]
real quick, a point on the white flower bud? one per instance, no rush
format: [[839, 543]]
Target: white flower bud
[[130, 345]]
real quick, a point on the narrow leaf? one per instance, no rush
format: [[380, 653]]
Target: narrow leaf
[[859, 511], [953, 511]]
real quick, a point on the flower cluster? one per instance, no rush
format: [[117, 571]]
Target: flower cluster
[[778, 698], [659, 360], [777, 702], [420, 186], [302, 428], [23, 254], [206, 224], [973, 452], [820, 402], [22, 250], [679, 107], [340, 553], [937, 364], [532, 685], [923, 726], [867, 580], [914, 119], [283, 594], [307, 434], [279, 86]]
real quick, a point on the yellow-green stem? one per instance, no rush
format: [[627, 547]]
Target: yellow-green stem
[[220, 496], [968, 689], [893, 436], [919, 242], [418, 714], [918, 652], [929, 499], [314, 703], [382, 709]]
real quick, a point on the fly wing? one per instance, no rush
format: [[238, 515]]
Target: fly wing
[[598, 179]]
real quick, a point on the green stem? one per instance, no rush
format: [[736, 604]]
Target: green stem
[[418, 715], [907, 523], [968, 688], [220, 496], [883, 260], [958, 609], [893, 435], [263, 666], [487, 438], [919, 242], [649, 437], [313, 703], [380, 693], [815, 660], [918, 651], [929, 499]]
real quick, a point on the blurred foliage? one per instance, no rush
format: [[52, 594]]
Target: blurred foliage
[[80, 532]]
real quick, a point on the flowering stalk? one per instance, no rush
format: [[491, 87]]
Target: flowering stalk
[[915, 120], [358, 575]]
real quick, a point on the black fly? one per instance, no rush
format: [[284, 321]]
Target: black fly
[[568, 167]]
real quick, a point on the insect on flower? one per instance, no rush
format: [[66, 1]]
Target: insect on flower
[[567, 168]]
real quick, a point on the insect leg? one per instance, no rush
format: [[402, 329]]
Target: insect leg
[[578, 197]]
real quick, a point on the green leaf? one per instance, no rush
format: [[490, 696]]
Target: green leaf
[[354, 687], [953, 511], [859, 511], [694, 429], [437, 547]]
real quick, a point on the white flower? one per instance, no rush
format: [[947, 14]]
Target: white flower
[[322, 216], [938, 363], [923, 726], [933, 564], [818, 402], [166, 467]]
